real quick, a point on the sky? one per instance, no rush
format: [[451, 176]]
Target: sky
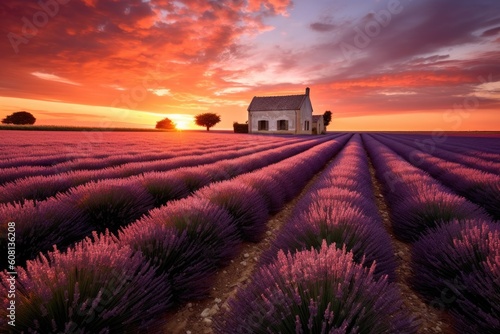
[[376, 64]]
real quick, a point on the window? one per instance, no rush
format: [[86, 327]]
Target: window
[[263, 125], [306, 126], [282, 124]]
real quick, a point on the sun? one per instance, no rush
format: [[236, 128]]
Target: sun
[[181, 125]]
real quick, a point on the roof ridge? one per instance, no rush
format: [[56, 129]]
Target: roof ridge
[[280, 95]]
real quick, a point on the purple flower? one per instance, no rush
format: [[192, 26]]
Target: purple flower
[[39, 226], [453, 249], [111, 204], [244, 204], [341, 225], [314, 291], [187, 241], [97, 286]]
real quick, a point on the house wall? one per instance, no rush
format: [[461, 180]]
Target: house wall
[[305, 114], [272, 117]]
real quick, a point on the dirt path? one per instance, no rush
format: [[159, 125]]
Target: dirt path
[[432, 320]]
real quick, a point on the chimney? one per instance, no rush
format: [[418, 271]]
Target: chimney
[[307, 90]]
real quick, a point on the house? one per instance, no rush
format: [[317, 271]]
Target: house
[[318, 124], [290, 114]]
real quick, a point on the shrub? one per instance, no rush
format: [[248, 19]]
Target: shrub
[[486, 195], [111, 204], [339, 182], [339, 224], [446, 253], [289, 186], [316, 292], [186, 240], [96, 287], [164, 187], [40, 226], [355, 198], [268, 187], [478, 306], [194, 178], [34, 188], [243, 203], [413, 216], [240, 128]]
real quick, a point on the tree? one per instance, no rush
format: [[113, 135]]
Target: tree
[[20, 118], [207, 119], [327, 117], [166, 124]]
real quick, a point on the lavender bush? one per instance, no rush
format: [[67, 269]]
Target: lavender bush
[[478, 186], [194, 178], [478, 307], [244, 204], [427, 208], [268, 187], [96, 287], [41, 225], [111, 204], [340, 225], [186, 241], [164, 187], [313, 291], [359, 199], [446, 253], [33, 188]]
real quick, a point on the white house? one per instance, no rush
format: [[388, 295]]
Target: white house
[[281, 114]]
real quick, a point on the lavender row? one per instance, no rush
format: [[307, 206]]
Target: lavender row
[[340, 208], [41, 187], [470, 159], [61, 152], [193, 245], [19, 144], [316, 291], [417, 202], [455, 254], [94, 163], [480, 187], [49, 165], [67, 148], [329, 260], [98, 286], [457, 267], [485, 147], [110, 204], [168, 256]]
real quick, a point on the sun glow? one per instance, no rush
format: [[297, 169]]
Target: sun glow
[[181, 125]]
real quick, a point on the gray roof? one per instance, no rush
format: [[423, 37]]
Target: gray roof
[[316, 117], [270, 103]]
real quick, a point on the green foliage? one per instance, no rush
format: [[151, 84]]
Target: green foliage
[[166, 124], [207, 120], [240, 128], [20, 118], [327, 117]]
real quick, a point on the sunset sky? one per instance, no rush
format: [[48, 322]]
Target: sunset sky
[[376, 64]]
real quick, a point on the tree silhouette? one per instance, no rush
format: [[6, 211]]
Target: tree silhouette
[[327, 117], [20, 118], [166, 124], [207, 120]]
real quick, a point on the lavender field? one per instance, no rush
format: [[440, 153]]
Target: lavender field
[[119, 232]]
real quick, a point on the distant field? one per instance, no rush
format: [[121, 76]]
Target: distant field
[[72, 128], [168, 232]]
